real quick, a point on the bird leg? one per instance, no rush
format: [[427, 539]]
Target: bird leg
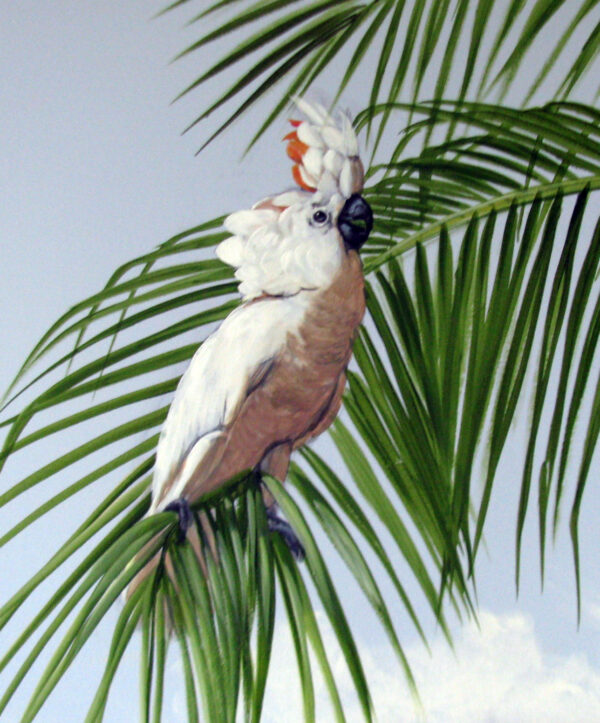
[[185, 514], [274, 521]]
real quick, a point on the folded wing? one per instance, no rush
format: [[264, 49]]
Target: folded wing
[[224, 370]]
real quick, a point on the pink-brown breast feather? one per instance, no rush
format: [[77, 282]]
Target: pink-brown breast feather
[[300, 393]]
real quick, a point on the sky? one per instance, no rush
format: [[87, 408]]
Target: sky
[[95, 171]]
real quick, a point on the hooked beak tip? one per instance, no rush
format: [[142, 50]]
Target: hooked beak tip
[[355, 222]]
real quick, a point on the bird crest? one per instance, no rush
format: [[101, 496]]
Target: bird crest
[[325, 151]]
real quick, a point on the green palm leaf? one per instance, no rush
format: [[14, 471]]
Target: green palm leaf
[[423, 430], [443, 331], [480, 277], [300, 40], [236, 599]]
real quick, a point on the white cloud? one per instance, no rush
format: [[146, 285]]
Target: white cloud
[[498, 675], [591, 611]]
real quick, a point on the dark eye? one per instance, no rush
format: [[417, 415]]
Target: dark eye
[[320, 217]]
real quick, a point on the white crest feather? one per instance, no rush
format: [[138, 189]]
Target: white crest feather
[[310, 135], [333, 142], [242, 223], [346, 178]]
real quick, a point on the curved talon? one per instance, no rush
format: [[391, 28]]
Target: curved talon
[[278, 524], [186, 517], [257, 476]]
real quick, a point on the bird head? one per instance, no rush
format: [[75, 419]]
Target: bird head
[[297, 239]]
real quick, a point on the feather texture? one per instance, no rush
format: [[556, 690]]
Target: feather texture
[[215, 384], [326, 150], [280, 252], [287, 249]]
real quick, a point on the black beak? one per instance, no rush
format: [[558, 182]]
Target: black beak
[[355, 222]]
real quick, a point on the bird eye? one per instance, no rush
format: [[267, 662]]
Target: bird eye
[[320, 217]]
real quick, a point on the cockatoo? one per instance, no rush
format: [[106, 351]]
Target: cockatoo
[[272, 375]]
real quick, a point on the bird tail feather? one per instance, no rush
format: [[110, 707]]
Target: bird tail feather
[[163, 557]]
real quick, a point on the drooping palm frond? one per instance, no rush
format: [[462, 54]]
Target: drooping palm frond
[[515, 159], [459, 344], [214, 614], [298, 41]]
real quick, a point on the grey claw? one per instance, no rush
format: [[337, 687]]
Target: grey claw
[[278, 524], [186, 516]]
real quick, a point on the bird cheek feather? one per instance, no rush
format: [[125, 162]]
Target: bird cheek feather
[[243, 223], [231, 251]]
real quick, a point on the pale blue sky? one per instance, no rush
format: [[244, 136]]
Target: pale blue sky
[[94, 171]]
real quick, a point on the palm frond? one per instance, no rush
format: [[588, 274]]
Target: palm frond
[[512, 157], [216, 617], [299, 41], [443, 372], [539, 17], [441, 364]]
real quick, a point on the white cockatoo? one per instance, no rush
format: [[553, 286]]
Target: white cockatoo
[[272, 375]]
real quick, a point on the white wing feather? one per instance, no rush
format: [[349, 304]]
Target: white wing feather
[[216, 382]]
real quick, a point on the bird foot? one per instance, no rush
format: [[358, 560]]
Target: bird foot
[[278, 524], [186, 517]]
